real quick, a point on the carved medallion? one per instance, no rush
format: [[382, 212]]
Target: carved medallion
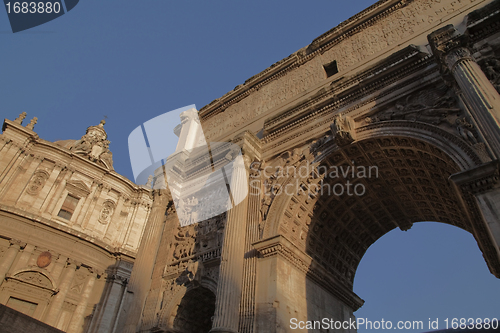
[[37, 182], [44, 259], [107, 211]]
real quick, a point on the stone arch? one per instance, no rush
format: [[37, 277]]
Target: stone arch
[[29, 290], [317, 240], [36, 277], [455, 147], [191, 308], [403, 195]]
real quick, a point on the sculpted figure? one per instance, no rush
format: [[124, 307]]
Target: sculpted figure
[[464, 129], [266, 203], [341, 130]]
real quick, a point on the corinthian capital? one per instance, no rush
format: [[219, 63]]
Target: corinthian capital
[[448, 45], [456, 55]]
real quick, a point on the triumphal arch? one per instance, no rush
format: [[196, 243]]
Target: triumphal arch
[[388, 119]]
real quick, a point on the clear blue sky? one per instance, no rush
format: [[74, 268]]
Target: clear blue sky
[[134, 60]]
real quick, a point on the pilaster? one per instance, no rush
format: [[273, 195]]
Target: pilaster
[[77, 321], [9, 257], [64, 285], [480, 188], [140, 279], [229, 288]]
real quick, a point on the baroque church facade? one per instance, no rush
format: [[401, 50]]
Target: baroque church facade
[[408, 89]]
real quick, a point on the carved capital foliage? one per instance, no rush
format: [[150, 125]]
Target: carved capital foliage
[[448, 46], [456, 55]]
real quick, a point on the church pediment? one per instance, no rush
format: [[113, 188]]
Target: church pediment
[[78, 187]]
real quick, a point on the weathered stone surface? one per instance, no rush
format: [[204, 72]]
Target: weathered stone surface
[[70, 221], [404, 130]]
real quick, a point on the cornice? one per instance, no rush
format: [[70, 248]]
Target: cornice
[[281, 246], [91, 241], [483, 22], [37, 145], [480, 179], [333, 105], [342, 93]]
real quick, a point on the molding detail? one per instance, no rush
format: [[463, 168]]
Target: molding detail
[[78, 187], [281, 246], [480, 179]]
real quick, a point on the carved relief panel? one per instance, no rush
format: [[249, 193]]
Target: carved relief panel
[[201, 241], [107, 210], [37, 182]]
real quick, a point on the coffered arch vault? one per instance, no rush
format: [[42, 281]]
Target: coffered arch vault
[[409, 182]]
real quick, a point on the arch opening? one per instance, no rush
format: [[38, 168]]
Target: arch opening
[[321, 235], [194, 312], [399, 181], [432, 272]]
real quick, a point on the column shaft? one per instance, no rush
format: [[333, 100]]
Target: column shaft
[[140, 279], [229, 287], [451, 50]]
